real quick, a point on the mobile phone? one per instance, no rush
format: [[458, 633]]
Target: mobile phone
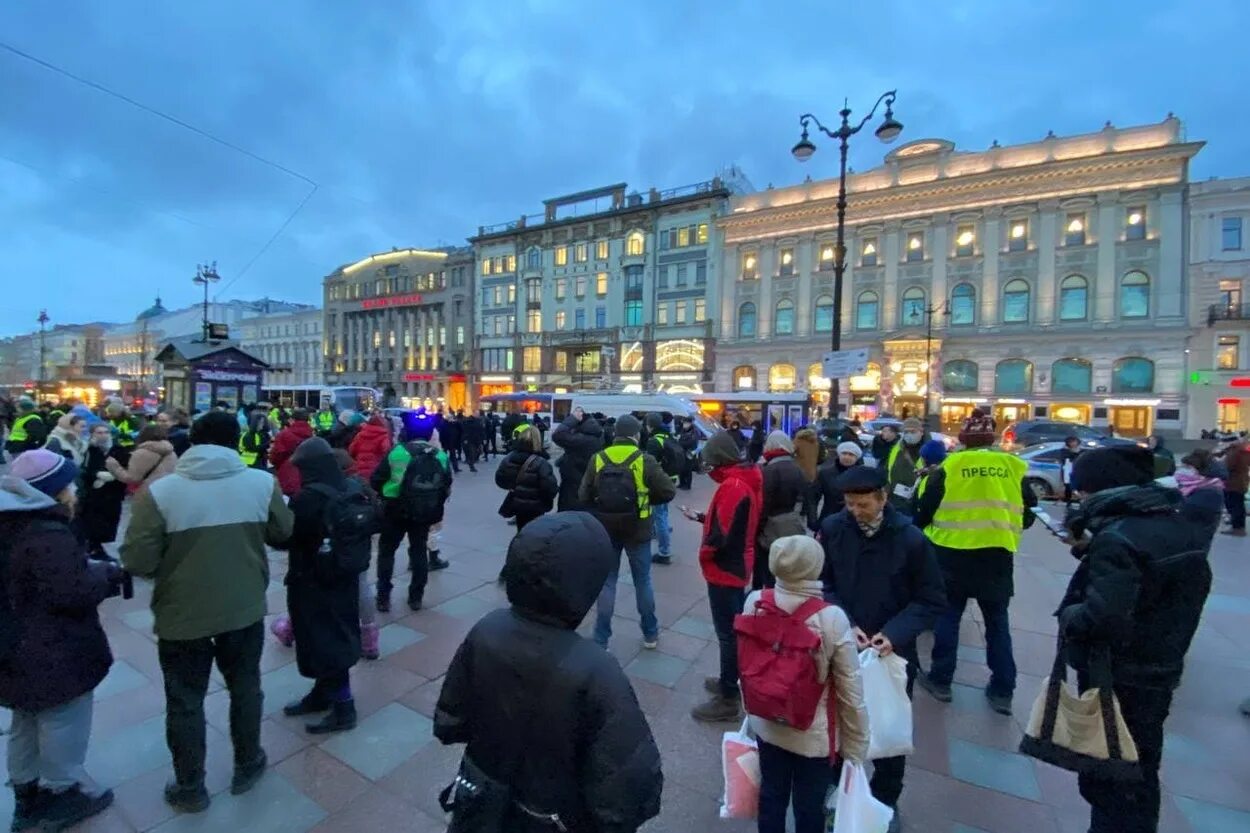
[[1054, 527]]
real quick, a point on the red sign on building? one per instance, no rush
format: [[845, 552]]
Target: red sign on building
[[390, 301]]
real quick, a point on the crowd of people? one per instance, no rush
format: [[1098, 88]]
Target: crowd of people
[[864, 557]]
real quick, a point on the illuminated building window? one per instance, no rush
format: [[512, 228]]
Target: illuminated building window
[[700, 310], [581, 252], [782, 378], [915, 246], [1074, 231], [561, 319], [868, 252], [601, 250], [826, 257], [531, 359], [701, 234], [787, 263], [683, 237], [1228, 355], [1018, 236], [965, 241], [635, 244], [679, 313], [1135, 223], [562, 255], [661, 314], [744, 378], [601, 284], [750, 262], [511, 293]]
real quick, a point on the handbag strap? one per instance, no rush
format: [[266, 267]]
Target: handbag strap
[[1058, 675], [1100, 677]]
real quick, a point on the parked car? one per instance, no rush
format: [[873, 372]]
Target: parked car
[[1045, 472], [1032, 432]]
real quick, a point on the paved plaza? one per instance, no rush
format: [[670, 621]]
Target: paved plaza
[[385, 776]]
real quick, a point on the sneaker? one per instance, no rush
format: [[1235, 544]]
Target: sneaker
[[437, 563], [246, 777], [938, 691], [342, 718], [369, 642], [651, 643], [186, 799], [384, 602], [719, 709], [1000, 703], [66, 809], [661, 559], [314, 702]]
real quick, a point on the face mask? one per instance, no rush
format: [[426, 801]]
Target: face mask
[[911, 437]]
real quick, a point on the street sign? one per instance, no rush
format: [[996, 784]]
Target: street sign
[[844, 363]]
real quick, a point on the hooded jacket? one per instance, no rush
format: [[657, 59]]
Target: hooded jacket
[[370, 446], [280, 452], [543, 710], [531, 481], [57, 648], [580, 441], [149, 461], [731, 524], [1140, 587], [68, 443], [200, 534]]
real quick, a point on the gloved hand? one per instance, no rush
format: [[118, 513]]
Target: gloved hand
[[101, 478]]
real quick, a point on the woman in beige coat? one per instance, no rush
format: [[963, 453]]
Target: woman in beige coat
[[152, 459], [795, 763]]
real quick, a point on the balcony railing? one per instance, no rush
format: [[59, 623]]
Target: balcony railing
[[1228, 312]]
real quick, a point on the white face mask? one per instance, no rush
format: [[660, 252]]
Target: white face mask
[[911, 437]]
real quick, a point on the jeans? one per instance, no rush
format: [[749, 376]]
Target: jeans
[[886, 782], [998, 653], [368, 608], [786, 776], [394, 527], [639, 556], [50, 746], [663, 532], [1235, 503], [726, 603], [186, 664], [1119, 807]]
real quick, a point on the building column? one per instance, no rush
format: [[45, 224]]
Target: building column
[[803, 265], [1171, 232], [728, 281], [1047, 240], [890, 254], [765, 265], [1108, 235], [937, 284], [988, 301]]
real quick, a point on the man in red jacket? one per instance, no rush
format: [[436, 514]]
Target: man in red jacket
[[727, 557], [284, 445]]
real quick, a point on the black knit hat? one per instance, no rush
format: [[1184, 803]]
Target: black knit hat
[[1108, 468]]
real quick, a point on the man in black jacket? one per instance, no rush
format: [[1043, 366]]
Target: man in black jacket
[[825, 498], [472, 436], [1137, 596], [785, 501], [581, 436], [882, 571], [688, 439], [450, 433], [521, 673]]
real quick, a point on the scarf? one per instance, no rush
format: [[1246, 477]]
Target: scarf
[[872, 528], [769, 456]]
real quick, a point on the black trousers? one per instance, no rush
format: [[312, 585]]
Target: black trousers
[[1235, 503], [472, 451], [785, 777], [186, 665], [686, 479], [394, 527], [726, 603], [1118, 807]]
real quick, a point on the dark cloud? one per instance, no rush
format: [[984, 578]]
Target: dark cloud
[[420, 121]]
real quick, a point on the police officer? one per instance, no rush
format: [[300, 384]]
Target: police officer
[[323, 420], [974, 509], [29, 430]]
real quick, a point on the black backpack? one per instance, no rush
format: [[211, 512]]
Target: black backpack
[[616, 492], [349, 520], [672, 456], [424, 486]]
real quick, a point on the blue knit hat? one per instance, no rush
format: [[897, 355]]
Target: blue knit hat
[[45, 470], [933, 452]]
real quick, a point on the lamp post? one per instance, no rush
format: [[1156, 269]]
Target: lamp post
[[929, 311], [204, 275], [43, 320], [887, 132]]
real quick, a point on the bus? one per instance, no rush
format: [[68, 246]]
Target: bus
[[310, 397], [786, 412]]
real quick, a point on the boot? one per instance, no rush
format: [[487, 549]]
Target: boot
[[384, 601], [938, 691], [437, 563], [414, 602], [245, 777], [65, 809], [281, 628], [189, 799], [314, 702], [718, 709], [28, 806], [342, 717], [369, 638]]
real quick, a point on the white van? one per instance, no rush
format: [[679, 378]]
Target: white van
[[638, 404]]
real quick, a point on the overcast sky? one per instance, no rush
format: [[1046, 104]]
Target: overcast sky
[[419, 121]]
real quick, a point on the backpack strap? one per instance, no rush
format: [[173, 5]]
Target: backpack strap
[[809, 608]]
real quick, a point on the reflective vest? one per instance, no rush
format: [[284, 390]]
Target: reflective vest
[[889, 464], [123, 429], [983, 504], [661, 438], [275, 417], [249, 455], [19, 434], [618, 454], [325, 421], [516, 432]]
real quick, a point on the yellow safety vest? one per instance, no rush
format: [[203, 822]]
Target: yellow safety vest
[[618, 454], [123, 430], [889, 465], [325, 421], [248, 456], [983, 504], [19, 433]]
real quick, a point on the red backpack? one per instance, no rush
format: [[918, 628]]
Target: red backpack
[[777, 662]]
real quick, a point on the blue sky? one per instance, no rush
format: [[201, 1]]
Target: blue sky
[[418, 121]]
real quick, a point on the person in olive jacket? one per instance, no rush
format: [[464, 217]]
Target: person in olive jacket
[[549, 715]]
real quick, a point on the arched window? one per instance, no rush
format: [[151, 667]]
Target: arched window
[[1135, 295], [1133, 375], [913, 310], [824, 314], [1073, 298], [746, 320], [534, 258], [781, 377], [1013, 376], [960, 376], [964, 304], [1071, 376], [744, 377], [635, 244], [1016, 302], [783, 318], [866, 307]]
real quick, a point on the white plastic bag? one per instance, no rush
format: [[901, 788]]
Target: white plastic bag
[[857, 811], [889, 707], [740, 761]]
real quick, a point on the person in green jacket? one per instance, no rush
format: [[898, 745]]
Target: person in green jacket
[[200, 534]]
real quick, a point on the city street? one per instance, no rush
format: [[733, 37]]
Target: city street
[[966, 775]]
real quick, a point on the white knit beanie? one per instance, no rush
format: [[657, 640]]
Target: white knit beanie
[[851, 448], [796, 558]]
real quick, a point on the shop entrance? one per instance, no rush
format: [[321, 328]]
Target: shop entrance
[[1228, 415], [1130, 420], [909, 407], [1005, 414], [1077, 413], [953, 416]]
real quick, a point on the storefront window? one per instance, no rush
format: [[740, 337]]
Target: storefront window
[[1071, 376], [1133, 375], [744, 377], [1013, 376], [781, 377], [960, 376]]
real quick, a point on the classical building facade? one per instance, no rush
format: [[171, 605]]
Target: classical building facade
[[605, 287], [402, 321], [1219, 278], [1054, 274], [289, 342]]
